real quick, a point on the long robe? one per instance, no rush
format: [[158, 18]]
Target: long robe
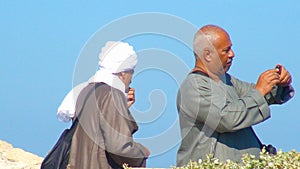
[[103, 138], [217, 117]]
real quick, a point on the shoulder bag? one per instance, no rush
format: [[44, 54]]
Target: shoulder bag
[[58, 157]]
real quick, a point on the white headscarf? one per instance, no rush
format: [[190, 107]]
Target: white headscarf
[[115, 57]]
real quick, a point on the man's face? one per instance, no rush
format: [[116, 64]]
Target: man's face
[[223, 48], [127, 77]]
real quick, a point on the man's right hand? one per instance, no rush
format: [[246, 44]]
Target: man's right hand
[[130, 97], [267, 80]]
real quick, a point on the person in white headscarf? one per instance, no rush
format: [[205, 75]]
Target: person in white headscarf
[[114, 58], [103, 138]]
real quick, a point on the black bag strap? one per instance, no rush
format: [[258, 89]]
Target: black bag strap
[[199, 72]]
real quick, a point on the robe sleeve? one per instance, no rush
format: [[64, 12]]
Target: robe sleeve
[[278, 94], [117, 126]]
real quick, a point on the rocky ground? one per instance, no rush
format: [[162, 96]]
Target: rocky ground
[[15, 158]]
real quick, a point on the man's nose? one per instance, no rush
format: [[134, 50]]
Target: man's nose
[[231, 54]]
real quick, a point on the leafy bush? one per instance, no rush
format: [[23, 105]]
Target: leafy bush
[[284, 160]]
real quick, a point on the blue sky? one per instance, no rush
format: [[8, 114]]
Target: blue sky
[[44, 46]]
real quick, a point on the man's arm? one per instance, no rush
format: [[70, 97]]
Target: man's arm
[[208, 102], [274, 85]]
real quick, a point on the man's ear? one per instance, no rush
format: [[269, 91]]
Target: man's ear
[[122, 75], [207, 54]]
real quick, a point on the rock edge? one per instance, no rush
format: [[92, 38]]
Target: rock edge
[[16, 158]]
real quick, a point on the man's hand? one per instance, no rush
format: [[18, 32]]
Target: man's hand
[[130, 97], [267, 80], [285, 77], [147, 152]]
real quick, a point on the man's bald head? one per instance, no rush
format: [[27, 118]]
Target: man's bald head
[[206, 37], [212, 49]]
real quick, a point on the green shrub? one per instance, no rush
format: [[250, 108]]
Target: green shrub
[[283, 160]]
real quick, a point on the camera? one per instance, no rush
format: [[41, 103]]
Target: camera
[[279, 68]]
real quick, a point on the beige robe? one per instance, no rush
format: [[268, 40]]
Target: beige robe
[[103, 138]]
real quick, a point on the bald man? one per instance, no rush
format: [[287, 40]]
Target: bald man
[[216, 110]]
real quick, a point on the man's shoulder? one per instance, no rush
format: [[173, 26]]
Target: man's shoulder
[[195, 81], [105, 89]]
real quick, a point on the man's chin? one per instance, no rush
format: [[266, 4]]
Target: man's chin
[[226, 69]]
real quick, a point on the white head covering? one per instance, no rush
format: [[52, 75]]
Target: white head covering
[[115, 57]]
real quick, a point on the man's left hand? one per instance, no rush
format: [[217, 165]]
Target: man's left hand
[[285, 77]]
